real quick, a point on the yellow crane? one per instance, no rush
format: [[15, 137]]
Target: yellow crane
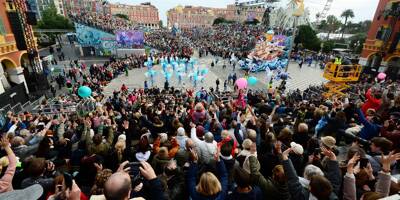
[[339, 77]]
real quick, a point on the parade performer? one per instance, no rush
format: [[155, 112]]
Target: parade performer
[[240, 102]]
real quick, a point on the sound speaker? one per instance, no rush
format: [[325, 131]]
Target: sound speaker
[[31, 18], [16, 26]]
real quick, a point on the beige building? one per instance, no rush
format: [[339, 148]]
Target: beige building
[[197, 16], [144, 14]]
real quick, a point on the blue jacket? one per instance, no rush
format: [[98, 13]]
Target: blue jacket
[[191, 182], [369, 130]]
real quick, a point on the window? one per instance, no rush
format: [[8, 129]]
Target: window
[[383, 33]]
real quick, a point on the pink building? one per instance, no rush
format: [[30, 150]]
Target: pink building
[[144, 14], [196, 16]]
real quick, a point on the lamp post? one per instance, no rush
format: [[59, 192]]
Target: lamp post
[[292, 42]]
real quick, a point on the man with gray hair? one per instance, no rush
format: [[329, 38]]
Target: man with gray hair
[[206, 148]]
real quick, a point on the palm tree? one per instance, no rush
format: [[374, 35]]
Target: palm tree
[[332, 24], [346, 14]]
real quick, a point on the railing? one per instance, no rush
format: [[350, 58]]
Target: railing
[[342, 73]]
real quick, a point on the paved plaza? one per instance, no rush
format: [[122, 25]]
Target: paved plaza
[[299, 78]]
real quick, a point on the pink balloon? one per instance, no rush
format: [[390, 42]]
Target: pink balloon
[[381, 76], [241, 83]]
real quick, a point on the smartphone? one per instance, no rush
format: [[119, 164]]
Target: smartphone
[[134, 173], [68, 180], [134, 168], [317, 151], [363, 163]]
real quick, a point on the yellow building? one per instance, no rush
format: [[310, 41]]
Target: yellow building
[[11, 58]]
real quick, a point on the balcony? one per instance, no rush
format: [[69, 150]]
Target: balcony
[[8, 47]]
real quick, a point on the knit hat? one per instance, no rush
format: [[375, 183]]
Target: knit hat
[[163, 137], [328, 141], [181, 131], [122, 137], [297, 148], [200, 131]]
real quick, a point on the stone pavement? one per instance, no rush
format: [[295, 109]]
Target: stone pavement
[[300, 78]]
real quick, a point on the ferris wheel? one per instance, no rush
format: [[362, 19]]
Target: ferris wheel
[[322, 15]]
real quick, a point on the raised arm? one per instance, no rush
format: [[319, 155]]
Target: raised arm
[[333, 171], [193, 135], [295, 188], [6, 180], [256, 177], [349, 181], [384, 179]]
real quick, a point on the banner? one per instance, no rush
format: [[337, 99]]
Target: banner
[[130, 39], [90, 37]]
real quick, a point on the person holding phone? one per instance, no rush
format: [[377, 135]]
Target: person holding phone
[[119, 185]]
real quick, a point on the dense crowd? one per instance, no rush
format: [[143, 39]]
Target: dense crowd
[[166, 42], [226, 39], [172, 144], [107, 23], [166, 143], [96, 76]]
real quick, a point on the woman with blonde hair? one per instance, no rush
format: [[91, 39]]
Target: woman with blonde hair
[[209, 186]]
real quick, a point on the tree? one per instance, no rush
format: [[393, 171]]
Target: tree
[[52, 20], [328, 46], [332, 24], [357, 41], [219, 20], [360, 27], [254, 21], [346, 15], [122, 16], [160, 23], [308, 38], [323, 26]]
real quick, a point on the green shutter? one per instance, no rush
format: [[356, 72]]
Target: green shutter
[[2, 29]]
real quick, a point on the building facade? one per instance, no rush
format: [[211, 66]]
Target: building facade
[[11, 59], [196, 16], [39, 6], [381, 49], [79, 6], [145, 14]]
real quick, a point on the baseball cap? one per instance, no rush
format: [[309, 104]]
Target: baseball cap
[[297, 148], [32, 192]]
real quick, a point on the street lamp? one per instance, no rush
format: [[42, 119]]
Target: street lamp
[[292, 42]]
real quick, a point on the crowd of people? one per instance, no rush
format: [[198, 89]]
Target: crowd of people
[[168, 43], [107, 23], [226, 39], [172, 144], [165, 143]]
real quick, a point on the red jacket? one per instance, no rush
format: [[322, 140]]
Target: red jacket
[[371, 102]]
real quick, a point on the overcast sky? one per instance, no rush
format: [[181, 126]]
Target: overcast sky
[[363, 9]]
